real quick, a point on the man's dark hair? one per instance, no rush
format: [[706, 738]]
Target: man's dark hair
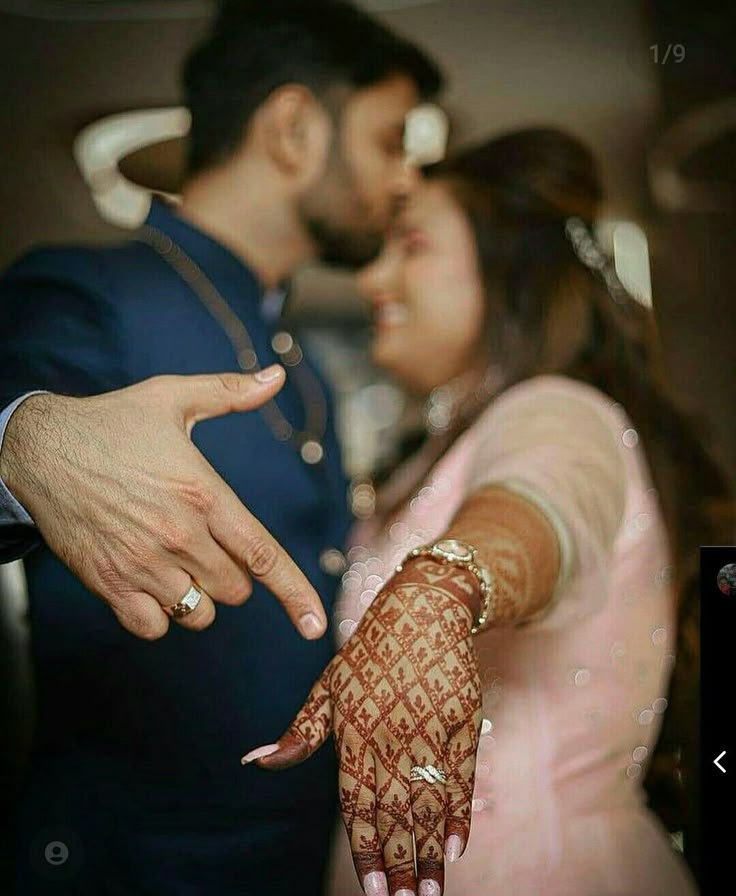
[[256, 46]]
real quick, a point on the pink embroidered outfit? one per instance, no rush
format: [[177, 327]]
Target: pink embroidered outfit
[[572, 700]]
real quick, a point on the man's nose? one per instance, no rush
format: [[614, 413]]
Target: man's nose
[[407, 178]]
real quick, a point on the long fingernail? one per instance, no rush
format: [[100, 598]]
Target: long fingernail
[[404, 893], [258, 753], [269, 374], [310, 626], [375, 884], [453, 848], [429, 888]]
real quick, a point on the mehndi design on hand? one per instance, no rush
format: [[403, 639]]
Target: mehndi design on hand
[[403, 691]]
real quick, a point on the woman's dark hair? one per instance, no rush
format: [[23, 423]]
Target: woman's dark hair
[[549, 313], [256, 46]]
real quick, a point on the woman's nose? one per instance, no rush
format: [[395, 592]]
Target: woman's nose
[[377, 278], [381, 276], [367, 279]]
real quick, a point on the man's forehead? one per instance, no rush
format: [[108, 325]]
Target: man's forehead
[[388, 102]]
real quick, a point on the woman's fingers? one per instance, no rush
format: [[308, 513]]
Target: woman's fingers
[[461, 760], [428, 812], [357, 788], [457, 828], [459, 799], [394, 820], [309, 730]]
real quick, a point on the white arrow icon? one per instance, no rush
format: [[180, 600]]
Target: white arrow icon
[[717, 763]]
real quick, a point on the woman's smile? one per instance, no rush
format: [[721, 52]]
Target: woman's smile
[[389, 315]]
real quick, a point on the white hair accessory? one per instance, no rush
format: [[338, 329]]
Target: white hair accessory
[[594, 258], [425, 134]]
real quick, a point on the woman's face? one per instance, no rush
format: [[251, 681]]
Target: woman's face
[[426, 293]]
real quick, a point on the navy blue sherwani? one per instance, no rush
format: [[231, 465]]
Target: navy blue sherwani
[[136, 761]]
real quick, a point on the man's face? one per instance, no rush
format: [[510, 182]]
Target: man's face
[[348, 210]]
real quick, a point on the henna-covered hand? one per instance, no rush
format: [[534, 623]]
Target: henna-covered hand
[[403, 691]]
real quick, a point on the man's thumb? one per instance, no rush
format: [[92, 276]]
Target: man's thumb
[[215, 394]]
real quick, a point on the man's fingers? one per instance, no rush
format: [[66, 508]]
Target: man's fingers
[[307, 732], [197, 619], [203, 396], [428, 812], [357, 788], [394, 820], [169, 587], [219, 575], [251, 545], [141, 615]]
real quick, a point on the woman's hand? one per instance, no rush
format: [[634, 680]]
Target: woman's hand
[[404, 691]]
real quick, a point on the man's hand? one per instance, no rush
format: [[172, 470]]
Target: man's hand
[[120, 493], [404, 691]]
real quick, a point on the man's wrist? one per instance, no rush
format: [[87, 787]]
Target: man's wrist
[[22, 439]]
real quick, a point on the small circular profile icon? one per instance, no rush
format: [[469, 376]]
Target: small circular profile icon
[[56, 852], [726, 579]]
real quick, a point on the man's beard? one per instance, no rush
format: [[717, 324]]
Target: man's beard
[[341, 245], [332, 216]]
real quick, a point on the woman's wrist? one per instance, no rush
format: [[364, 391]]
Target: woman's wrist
[[455, 583]]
